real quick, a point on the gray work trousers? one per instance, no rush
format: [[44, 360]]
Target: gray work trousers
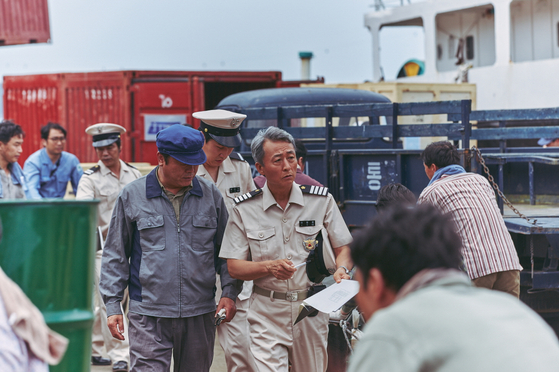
[[153, 340]]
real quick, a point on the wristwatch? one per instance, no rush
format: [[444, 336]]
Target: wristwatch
[[345, 269]]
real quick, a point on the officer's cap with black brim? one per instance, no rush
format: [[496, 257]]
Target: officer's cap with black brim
[[182, 143], [222, 126], [105, 134]]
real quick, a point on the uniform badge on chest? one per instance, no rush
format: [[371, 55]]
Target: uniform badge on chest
[[310, 244], [233, 190]]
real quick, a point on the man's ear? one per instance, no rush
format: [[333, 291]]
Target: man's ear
[[260, 168], [433, 167], [301, 164], [43, 142], [382, 295], [160, 159]]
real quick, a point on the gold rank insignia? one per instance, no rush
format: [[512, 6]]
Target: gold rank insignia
[[310, 244]]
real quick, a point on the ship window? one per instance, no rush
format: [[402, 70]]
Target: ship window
[[469, 47], [439, 52], [557, 33]]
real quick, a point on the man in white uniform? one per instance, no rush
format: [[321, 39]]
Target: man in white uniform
[[233, 177], [270, 230], [104, 182]]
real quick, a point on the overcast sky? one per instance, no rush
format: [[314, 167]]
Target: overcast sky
[[262, 35]]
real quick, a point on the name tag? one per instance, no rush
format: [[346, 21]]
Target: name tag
[[234, 189], [306, 223]]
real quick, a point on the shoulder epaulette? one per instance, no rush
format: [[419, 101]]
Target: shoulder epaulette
[[314, 190], [236, 156], [247, 196], [131, 166], [92, 170]]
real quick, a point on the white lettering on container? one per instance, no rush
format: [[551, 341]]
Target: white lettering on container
[[165, 101], [373, 175]]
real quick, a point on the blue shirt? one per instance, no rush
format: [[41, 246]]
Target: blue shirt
[[48, 180]]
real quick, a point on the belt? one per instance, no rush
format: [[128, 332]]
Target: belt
[[291, 296]]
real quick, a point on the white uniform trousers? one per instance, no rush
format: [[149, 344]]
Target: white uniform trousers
[[117, 350], [276, 342], [234, 339]]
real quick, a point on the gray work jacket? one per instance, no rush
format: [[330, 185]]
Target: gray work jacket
[[169, 268]]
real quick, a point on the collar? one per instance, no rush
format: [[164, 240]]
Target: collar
[[296, 196], [153, 189], [16, 173], [104, 170], [45, 157], [227, 166], [433, 277]]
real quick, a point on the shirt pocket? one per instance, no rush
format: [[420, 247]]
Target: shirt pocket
[[203, 233], [234, 194], [306, 235], [261, 243], [152, 233]]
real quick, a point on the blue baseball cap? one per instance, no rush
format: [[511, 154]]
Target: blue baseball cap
[[182, 143], [545, 141]]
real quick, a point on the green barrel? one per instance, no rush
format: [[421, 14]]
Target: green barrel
[[48, 249]]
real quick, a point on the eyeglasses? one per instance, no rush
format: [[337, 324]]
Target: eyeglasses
[[58, 139]]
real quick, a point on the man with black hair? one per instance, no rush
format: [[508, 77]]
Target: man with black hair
[[423, 314], [12, 180], [49, 169], [489, 253], [300, 177]]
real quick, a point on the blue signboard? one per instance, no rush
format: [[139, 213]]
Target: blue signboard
[[153, 124]]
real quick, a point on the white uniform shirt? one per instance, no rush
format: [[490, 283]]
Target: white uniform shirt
[[234, 179], [260, 227], [105, 186]]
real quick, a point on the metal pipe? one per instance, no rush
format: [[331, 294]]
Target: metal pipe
[[305, 65]]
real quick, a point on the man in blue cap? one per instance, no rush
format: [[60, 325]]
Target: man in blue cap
[[163, 243]]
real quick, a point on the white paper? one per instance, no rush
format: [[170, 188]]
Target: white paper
[[333, 297]]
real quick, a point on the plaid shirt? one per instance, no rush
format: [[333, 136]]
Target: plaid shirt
[[486, 244]]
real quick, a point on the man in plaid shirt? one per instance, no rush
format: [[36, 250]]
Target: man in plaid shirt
[[489, 254]]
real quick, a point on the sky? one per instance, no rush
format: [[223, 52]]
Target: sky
[[245, 35]]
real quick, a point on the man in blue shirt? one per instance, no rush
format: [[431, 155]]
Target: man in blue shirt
[[48, 170]]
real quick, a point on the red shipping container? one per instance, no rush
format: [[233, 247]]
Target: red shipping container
[[24, 22], [143, 102]]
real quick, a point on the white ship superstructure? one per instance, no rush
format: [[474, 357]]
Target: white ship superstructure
[[512, 47]]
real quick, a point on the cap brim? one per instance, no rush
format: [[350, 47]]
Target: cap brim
[[545, 141], [191, 159], [228, 141], [105, 142]]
